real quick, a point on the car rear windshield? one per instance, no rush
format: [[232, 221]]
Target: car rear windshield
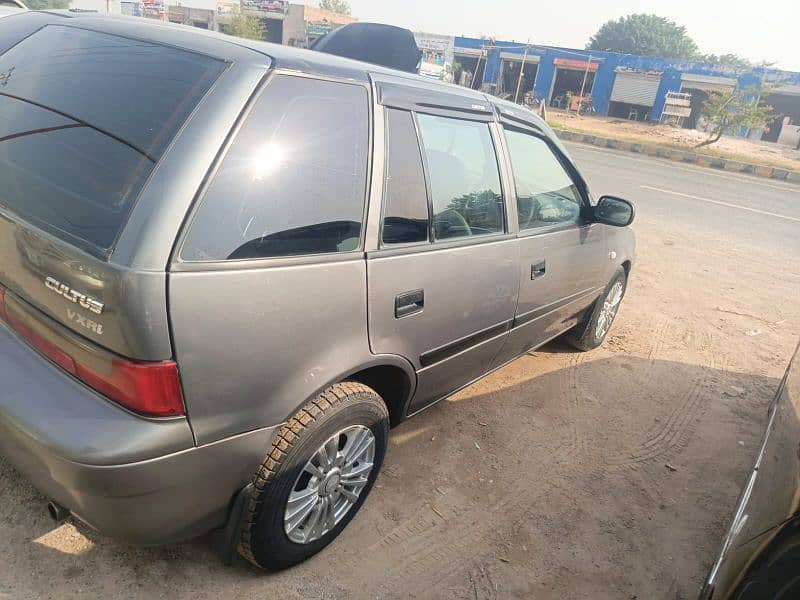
[[84, 119]]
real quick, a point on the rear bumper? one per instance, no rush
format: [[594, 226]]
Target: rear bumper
[[139, 480]]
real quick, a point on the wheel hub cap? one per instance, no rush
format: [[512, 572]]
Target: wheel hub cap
[[330, 484]]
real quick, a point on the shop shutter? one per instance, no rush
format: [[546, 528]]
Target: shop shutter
[[707, 83], [635, 88]]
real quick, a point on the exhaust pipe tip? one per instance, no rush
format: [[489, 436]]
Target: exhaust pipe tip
[[57, 512]]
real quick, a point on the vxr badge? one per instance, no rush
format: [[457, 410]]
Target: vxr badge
[[67, 292]]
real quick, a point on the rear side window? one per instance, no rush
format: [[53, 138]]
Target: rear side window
[[405, 213], [84, 118], [293, 181], [464, 177]]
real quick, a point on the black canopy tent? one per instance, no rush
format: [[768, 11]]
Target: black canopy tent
[[385, 45]]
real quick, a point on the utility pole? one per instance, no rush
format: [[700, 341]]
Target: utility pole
[[477, 65], [583, 85], [521, 72]]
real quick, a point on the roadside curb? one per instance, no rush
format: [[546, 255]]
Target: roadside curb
[[684, 156]]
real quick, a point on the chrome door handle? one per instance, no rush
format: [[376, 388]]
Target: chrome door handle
[[409, 303], [538, 270]]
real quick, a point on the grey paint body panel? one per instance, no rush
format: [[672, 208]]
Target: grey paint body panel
[[265, 340], [468, 289], [575, 272], [134, 319]]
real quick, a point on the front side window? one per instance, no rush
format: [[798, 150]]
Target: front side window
[[464, 177], [546, 194], [294, 180]]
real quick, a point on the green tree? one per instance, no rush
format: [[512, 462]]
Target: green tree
[[730, 110], [338, 6], [644, 34], [246, 26], [728, 60], [46, 4]]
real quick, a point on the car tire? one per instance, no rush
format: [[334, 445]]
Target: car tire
[[300, 475], [592, 331]]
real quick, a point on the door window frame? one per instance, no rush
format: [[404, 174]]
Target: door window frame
[[431, 244]]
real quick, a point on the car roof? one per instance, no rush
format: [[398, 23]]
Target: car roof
[[226, 47], [7, 10]]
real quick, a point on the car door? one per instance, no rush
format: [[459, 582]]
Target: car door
[[562, 252], [442, 285]]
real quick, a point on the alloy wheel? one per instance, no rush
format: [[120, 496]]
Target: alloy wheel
[[609, 311], [330, 484]]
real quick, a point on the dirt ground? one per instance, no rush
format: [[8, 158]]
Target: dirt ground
[[610, 474], [775, 155]]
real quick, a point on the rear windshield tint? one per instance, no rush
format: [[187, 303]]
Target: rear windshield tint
[[84, 118]]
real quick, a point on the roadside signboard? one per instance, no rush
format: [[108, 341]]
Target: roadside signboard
[[277, 8], [438, 52], [319, 28], [154, 9], [576, 65]]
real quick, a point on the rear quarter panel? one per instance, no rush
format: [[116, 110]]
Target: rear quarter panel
[[254, 344]]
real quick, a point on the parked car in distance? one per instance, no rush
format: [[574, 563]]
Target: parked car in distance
[[229, 266], [760, 555]]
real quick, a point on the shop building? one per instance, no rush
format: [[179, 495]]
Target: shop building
[[303, 25], [284, 23], [623, 85], [202, 18]]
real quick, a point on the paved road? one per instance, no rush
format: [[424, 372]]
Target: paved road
[[749, 211]]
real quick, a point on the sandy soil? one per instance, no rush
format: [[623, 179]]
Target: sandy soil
[[610, 474], [775, 155]]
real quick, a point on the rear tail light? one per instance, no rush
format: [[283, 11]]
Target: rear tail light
[[151, 389]]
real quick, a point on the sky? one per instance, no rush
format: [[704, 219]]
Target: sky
[[740, 27]]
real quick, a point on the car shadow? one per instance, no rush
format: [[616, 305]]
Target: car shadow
[[624, 458]]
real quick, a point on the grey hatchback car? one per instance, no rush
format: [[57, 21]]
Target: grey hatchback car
[[228, 267]]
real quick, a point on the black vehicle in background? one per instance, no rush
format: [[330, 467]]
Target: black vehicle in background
[[760, 557]]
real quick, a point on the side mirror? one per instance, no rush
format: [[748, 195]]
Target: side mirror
[[614, 211]]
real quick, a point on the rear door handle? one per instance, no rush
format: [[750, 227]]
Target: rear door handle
[[409, 303], [538, 270]]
